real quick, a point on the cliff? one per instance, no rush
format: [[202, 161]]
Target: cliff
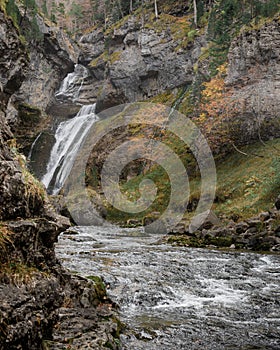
[[168, 61], [42, 306], [254, 77], [131, 62]]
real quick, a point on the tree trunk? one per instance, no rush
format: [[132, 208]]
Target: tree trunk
[[156, 9], [131, 6], [120, 9], [195, 12]]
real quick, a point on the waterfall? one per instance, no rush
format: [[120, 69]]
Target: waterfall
[[72, 84], [33, 145], [69, 137]]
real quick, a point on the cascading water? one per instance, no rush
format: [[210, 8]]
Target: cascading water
[[177, 298], [69, 137], [72, 84]]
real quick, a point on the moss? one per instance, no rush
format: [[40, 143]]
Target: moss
[[103, 58], [18, 274], [246, 185], [3, 4], [257, 23], [198, 242], [114, 57], [117, 25], [5, 239], [166, 98], [34, 189], [99, 286], [205, 53]]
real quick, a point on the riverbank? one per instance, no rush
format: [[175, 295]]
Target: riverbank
[[259, 234]]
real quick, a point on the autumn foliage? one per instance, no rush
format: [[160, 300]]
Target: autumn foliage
[[216, 107]]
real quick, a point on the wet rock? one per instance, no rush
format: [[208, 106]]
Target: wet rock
[[241, 227], [204, 220], [277, 203]]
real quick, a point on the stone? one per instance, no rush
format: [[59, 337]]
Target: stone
[[241, 227], [277, 203], [264, 216], [204, 220]]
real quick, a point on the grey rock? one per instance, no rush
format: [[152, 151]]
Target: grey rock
[[148, 63], [277, 203], [204, 220], [253, 75]]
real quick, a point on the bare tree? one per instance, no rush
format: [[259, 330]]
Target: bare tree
[[195, 12], [120, 8], [156, 9], [131, 6]]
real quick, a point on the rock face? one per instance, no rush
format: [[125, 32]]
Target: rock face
[[46, 64], [12, 70], [133, 63], [254, 76]]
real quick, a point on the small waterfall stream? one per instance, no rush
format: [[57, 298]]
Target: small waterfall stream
[[69, 137], [72, 84]]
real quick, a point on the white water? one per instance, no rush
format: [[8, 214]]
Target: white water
[[72, 84], [33, 145], [176, 298], [69, 137]]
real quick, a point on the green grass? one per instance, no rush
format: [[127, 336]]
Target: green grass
[[246, 185]]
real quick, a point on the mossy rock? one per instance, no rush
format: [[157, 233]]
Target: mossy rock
[[99, 287]]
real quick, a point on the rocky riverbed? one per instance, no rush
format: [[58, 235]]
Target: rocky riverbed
[[179, 297]]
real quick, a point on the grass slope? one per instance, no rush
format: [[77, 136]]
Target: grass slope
[[247, 185]]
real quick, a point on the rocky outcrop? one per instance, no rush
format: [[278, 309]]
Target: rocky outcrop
[[14, 60], [134, 62], [254, 77]]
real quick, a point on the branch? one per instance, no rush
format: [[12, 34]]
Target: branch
[[246, 154]]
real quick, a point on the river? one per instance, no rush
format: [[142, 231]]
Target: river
[[180, 298]]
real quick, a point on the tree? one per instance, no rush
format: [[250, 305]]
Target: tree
[[195, 12], [156, 9]]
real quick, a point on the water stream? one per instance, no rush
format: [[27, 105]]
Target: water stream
[[181, 298], [72, 84], [69, 137]]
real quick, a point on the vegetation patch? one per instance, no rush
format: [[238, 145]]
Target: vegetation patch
[[247, 185], [19, 274]]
